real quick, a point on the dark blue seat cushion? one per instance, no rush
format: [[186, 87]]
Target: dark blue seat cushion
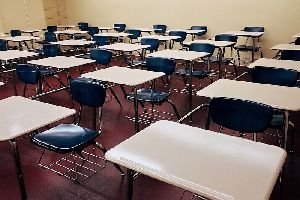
[[198, 74], [65, 138], [149, 95], [246, 48]]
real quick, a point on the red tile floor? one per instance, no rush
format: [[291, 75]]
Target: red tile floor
[[107, 184]]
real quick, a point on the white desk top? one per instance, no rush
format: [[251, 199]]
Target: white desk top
[[297, 35], [244, 33], [211, 164], [280, 97], [73, 42], [70, 32], [286, 47], [20, 115], [3, 35], [104, 28], [148, 30], [178, 54], [15, 54], [113, 34], [30, 31], [188, 31], [61, 62], [124, 47], [123, 75], [66, 26], [267, 62], [216, 43], [161, 37], [21, 38]]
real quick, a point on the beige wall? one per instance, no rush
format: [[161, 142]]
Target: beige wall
[[13, 14], [279, 17], [1, 27]]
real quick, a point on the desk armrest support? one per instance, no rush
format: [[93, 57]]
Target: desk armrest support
[[192, 112]]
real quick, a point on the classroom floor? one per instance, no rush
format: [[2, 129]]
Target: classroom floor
[[107, 184]]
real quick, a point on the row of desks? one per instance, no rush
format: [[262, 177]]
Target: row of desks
[[168, 173], [116, 75]]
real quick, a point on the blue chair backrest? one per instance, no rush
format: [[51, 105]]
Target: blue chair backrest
[[240, 115], [3, 45], [15, 33], [203, 47], [83, 26], [51, 50], [28, 74], [200, 28], [101, 40], [87, 92], [50, 37], [120, 27], [157, 64], [101, 56], [290, 55], [135, 33], [181, 34], [154, 43], [274, 76], [51, 28], [254, 29], [161, 28], [93, 30], [226, 37]]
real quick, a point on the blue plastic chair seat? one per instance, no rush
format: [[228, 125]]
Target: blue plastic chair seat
[[149, 95], [246, 48], [119, 27], [65, 138], [204, 28], [160, 28], [198, 74]]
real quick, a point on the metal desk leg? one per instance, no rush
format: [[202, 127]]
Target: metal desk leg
[[16, 156], [14, 83], [129, 186], [253, 48], [286, 128], [189, 65], [220, 62], [136, 111]]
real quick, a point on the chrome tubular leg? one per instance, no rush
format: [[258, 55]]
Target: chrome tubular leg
[[220, 63], [255, 137], [16, 156], [129, 188], [286, 128], [136, 111], [190, 88], [14, 80], [253, 49]]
